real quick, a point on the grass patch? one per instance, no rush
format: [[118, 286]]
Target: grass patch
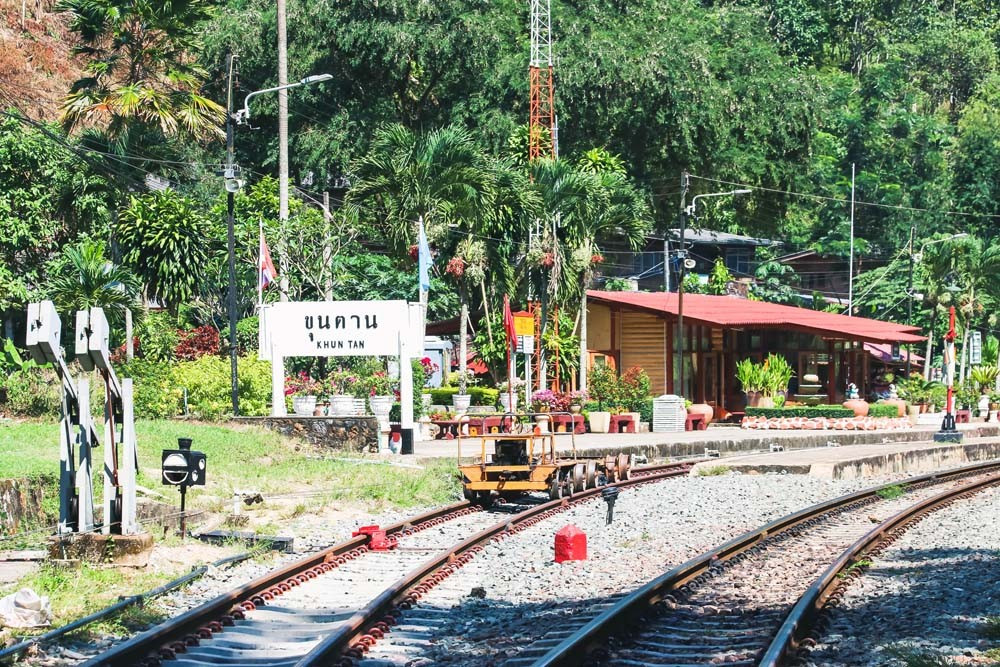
[[856, 565], [891, 492], [912, 657], [992, 654], [991, 628], [76, 592], [245, 458], [713, 471]]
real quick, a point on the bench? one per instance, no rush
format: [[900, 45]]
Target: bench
[[565, 421], [622, 424], [963, 416], [695, 422]]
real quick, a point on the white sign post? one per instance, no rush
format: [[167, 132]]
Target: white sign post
[[341, 329]]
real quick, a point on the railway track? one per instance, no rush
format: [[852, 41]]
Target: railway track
[[755, 599], [329, 606]]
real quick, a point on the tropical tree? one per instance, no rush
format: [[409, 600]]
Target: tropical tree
[[166, 239], [141, 71], [83, 277]]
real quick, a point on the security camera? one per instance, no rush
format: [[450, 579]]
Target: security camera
[[688, 263]]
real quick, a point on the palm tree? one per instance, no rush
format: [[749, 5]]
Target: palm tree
[[86, 278], [142, 75]]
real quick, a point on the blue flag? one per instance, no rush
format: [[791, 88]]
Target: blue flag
[[424, 259]]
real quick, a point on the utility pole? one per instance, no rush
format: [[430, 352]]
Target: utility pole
[[282, 146], [909, 302], [681, 256], [327, 250], [230, 176], [850, 269]]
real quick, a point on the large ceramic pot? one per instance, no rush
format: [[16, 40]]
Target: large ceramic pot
[[505, 402], [702, 409], [380, 405], [542, 422], [304, 406], [600, 422], [341, 405], [461, 402], [859, 406]]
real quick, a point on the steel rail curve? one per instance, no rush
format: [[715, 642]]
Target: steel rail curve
[[574, 649], [210, 618], [803, 617]]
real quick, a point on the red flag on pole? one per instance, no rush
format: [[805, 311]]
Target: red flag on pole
[[508, 322]]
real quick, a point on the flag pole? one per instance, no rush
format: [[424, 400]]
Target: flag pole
[[260, 265]]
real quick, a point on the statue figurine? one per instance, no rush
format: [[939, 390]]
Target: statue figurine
[[852, 391], [892, 391]]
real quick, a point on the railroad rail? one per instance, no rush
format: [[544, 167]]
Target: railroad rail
[[707, 609], [248, 624]]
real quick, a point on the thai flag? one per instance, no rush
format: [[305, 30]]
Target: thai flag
[[266, 268]]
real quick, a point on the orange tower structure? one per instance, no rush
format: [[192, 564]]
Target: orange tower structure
[[541, 105]]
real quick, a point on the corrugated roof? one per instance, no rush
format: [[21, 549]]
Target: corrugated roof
[[883, 352], [711, 236], [725, 311]]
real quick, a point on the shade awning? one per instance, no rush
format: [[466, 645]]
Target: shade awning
[[730, 312]]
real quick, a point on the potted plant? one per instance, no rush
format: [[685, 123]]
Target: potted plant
[[461, 401], [576, 400], [984, 378], [634, 389], [751, 379], [510, 394], [338, 386], [302, 389], [603, 388], [380, 394]]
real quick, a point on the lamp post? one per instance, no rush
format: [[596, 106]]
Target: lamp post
[[233, 184], [686, 212], [916, 257]]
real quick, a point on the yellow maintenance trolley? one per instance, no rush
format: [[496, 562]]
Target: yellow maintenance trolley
[[524, 459]]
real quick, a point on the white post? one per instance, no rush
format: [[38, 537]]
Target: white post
[[850, 271], [129, 343], [128, 460], [527, 372], [277, 384], [84, 481], [405, 383], [110, 489], [584, 357]]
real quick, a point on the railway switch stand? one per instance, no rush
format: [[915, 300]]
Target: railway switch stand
[[183, 467], [610, 495]]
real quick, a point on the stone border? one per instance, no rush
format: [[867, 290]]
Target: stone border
[[826, 423]]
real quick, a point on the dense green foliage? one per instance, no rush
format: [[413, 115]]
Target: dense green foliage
[[480, 395], [808, 411], [882, 410]]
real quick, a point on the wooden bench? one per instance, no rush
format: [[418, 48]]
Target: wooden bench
[[622, 424], [963, 416], [449, 428], [695, 422]]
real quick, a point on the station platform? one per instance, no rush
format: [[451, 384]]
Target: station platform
[[731, 442]]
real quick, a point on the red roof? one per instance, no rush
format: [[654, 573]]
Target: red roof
[[883, 353], [731, 312]]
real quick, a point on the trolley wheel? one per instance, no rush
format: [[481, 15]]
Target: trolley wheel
[[591, 474], [611, 468], [468, 494], [579, 478], [569, 487], [624, 466], [555, 488], [484, 498]]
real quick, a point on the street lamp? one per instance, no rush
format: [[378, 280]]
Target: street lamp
[[916, 257], [689, 211], [233, 183]]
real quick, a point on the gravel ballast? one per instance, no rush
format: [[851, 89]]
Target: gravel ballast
[[926, 597]]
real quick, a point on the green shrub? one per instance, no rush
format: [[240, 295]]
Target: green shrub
[[831, 411], [480, 395], [208, 387], [156, 396], [883, 410], [33, 393], [246, 335], [646, 410], [157, 333]]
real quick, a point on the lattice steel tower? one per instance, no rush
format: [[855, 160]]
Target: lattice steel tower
[[540, 75]]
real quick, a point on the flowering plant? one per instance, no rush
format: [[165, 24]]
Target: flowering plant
[[301, 385], [596, 258], [429, 368], [339, 382], [545, 398], [380, 384], [456, 267]]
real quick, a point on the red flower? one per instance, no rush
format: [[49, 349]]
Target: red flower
[[414, 252], [596, 258], [548, 259], [456, 267]]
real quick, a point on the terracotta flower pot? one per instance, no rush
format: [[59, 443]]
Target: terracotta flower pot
[[859, 406], [702, 409]]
